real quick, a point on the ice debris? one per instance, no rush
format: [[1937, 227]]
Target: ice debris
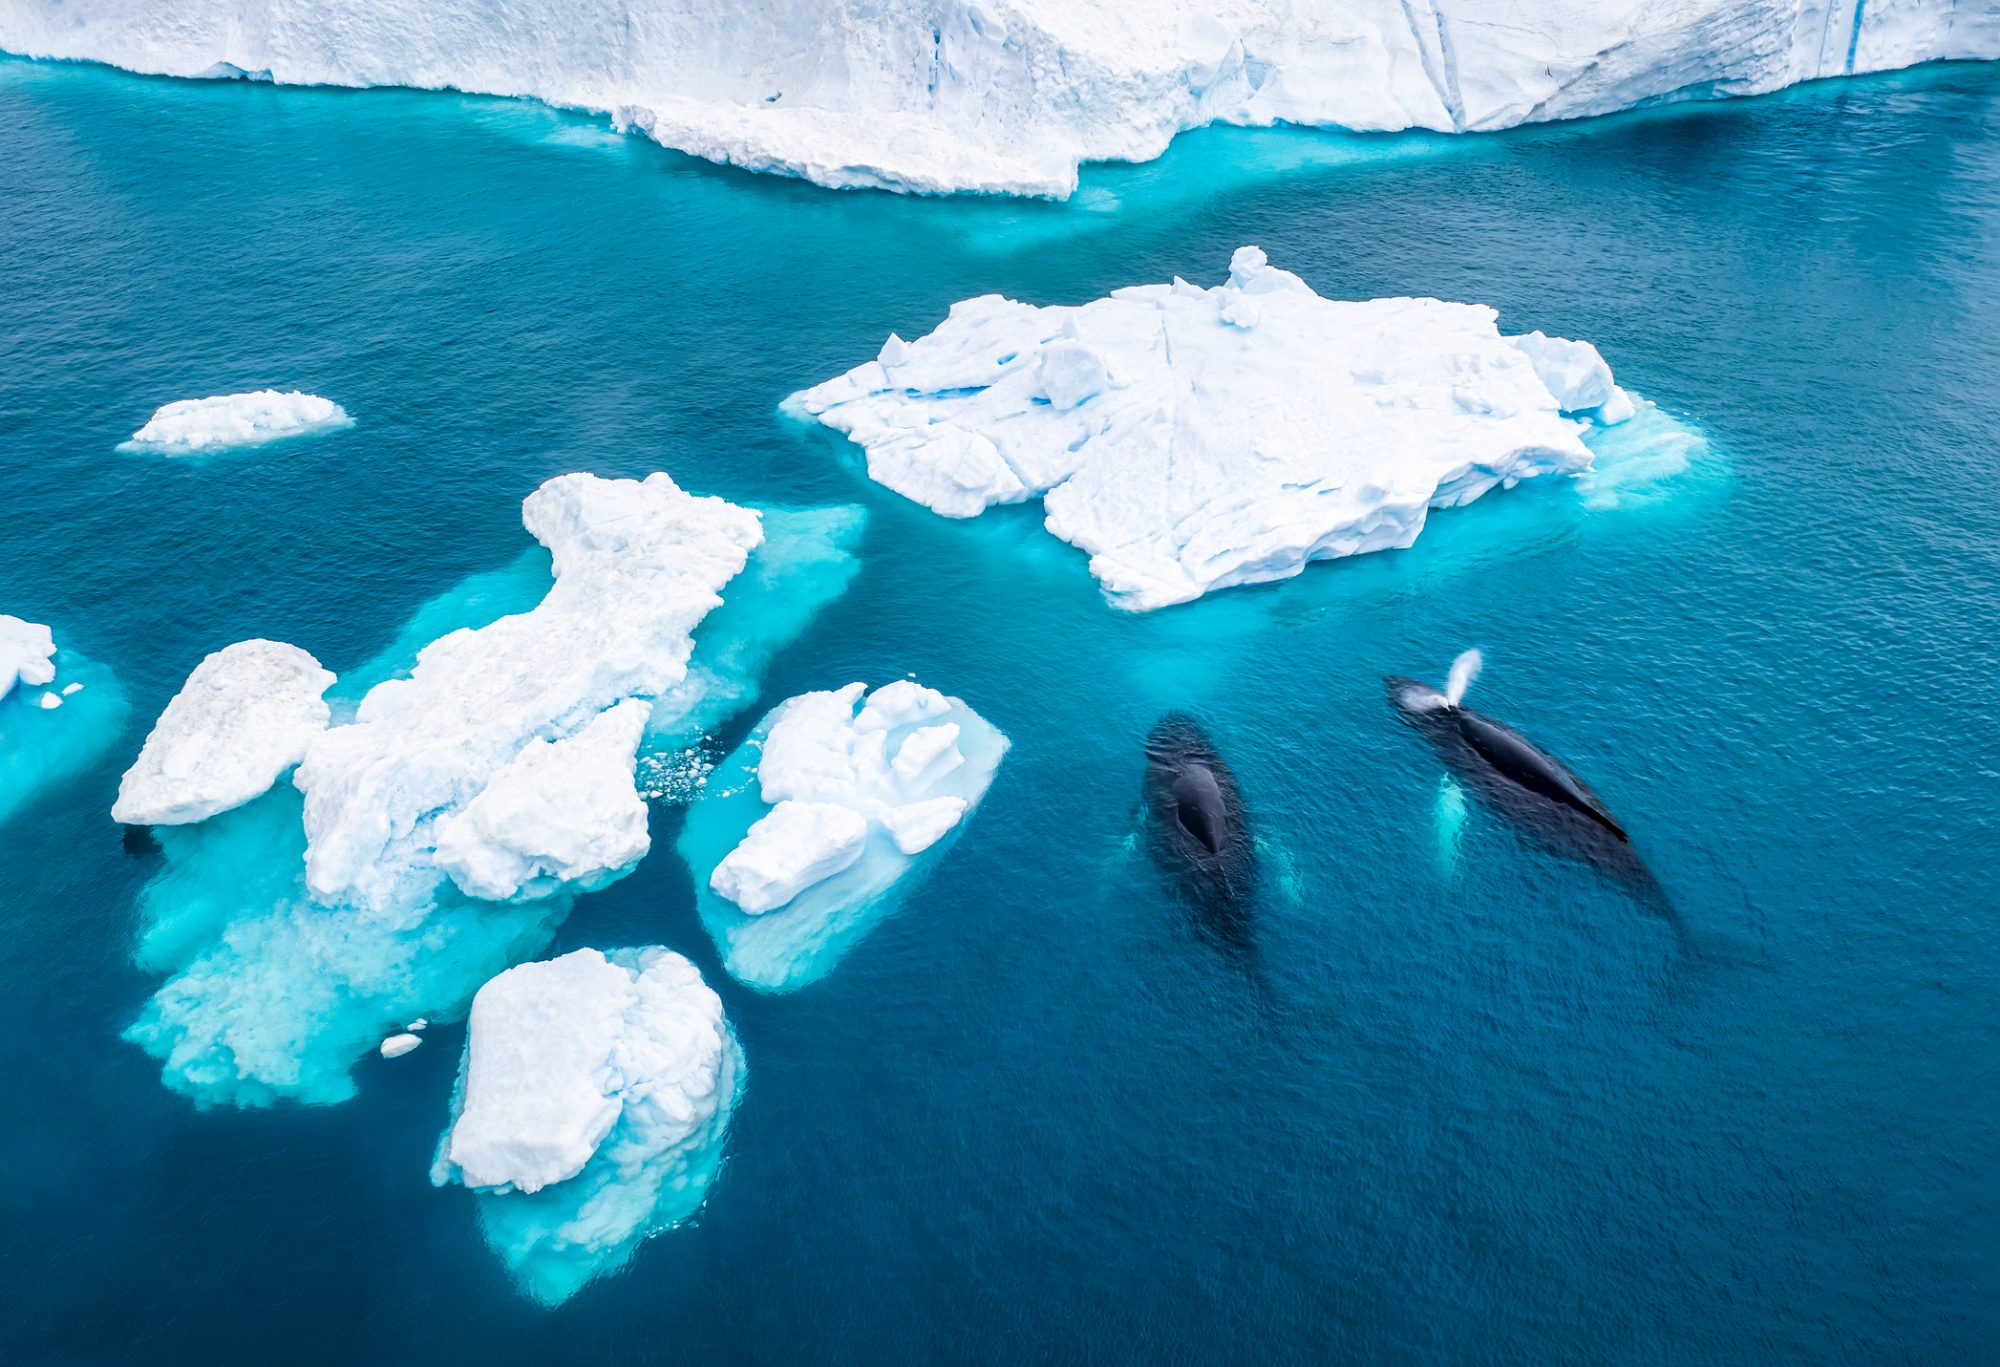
[[27, 654], [395, 1046]]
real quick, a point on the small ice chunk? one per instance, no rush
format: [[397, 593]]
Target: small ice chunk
[[190, 426], [418, 1024], [797, 845], [1576, 374], [72, 688], [51, 701], [246, 714], [27, 654], [398, 1045]]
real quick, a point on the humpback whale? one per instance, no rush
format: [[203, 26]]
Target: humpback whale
[[1525, 783], [1198, 830]]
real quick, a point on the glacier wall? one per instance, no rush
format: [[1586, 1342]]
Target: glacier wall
[[1010, 95]]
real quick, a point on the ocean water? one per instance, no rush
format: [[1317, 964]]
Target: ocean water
[[1454, 1099]]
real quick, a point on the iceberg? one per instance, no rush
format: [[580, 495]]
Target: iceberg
[[809, 833], [1190, 439], [59, 713], [1012, 95], [592, 1106], [245, 716], [190, 427], [274, 992], [637, 563], [27, 654]]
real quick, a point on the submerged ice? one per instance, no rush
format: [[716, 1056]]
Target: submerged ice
[[1190, 439], [1011, 95], [59, 711], [805, 834], [195, 426], [481, 773], [592, 1105]]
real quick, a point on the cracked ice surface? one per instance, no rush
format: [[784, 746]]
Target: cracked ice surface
[[592, 1105], [1011, 95], [1191, 439], [808, 834]]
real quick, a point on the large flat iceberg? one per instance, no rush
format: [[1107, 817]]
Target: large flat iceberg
[[245, 716], [1011, 95], [592, 1106], [480, 773], [189, 427], [808, 834], [1190, 439]]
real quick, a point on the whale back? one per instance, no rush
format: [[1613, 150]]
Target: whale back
[[1199, 806], [1521, 761]]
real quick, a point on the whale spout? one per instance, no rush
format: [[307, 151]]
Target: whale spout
[[1464, 670]]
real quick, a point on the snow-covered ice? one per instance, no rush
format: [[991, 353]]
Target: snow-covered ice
[[27, 654], [1011, 95], [562, 811], [395, 1046], [189, 427], [807, 833], [274, 993], [638, 564], [245, 716], [1190, 439], [591, 1109]]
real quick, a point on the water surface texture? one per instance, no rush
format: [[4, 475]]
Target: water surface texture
[[1452, 1099]]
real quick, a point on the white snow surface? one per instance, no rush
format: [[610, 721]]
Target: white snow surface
[[395, 1046], [443, 771], [27, 654], [559, 1052], [245, 715], [1190, 439], [562, 811], [831, 774], [194, 426], [1010, 95]]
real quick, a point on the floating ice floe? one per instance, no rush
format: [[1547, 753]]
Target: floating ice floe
[[27, 654], [591, 1110], [245, 716], [1011, 95], [49, 732], [395, 1046], [451, 776], [805, 837], [195, 426], [1190, 439]]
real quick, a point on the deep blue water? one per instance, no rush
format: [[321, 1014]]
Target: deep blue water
[[1480, 1111]]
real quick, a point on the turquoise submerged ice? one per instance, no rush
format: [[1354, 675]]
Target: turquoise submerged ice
[[817, 826], [275, 988], [59, 713], [591, 1107]]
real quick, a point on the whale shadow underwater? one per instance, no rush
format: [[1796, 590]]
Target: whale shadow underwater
[[1198, 833], [1531, 789]]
